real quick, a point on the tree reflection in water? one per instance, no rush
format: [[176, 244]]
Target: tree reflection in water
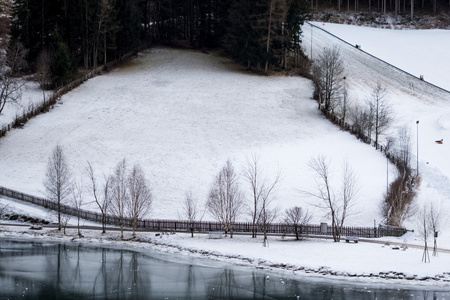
[[31, 270]]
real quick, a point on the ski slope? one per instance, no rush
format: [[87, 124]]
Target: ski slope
[[411, 99], [419, 52]]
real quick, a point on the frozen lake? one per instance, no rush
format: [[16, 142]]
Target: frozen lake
[[37, 270]]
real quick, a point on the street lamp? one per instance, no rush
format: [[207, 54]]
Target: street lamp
[[311, 40], [417, 123]]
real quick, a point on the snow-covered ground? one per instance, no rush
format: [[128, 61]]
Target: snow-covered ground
[[31, 94], [419, 52], [411, 99], [182, 114]]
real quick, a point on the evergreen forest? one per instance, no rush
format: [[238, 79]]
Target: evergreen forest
[[63, 36]]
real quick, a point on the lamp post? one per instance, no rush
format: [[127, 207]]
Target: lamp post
[[417, 123], [311, 40]]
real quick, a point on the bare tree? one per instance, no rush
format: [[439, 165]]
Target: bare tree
[[16, 57], [399, 202], [403, 149], [434, 217], [58, 179], [65, 218], [77, 201], [102, 194], [276, 14], [328, 72], [225, 200], [267, 213], [381, 111], [267, 194], [262, 194], [9, 90], [349, 193], [119, 193], [43, 73], [424, 231], [140, 196], [252, 175], [297, 217], [346, 103], [190, 211], [338, 205], [106, 28], [362, 121]]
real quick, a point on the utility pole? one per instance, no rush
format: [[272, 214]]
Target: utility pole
[[417, 123]]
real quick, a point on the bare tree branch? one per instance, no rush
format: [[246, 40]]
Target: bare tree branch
[[328, 71], [337, 206], [140, 196], [225, 200], [297, 217], [10, 90], [58, 179], [381, 111], [78, 200], [101, 194], [119, 193]]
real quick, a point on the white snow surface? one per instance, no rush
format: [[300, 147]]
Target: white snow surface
[[419, 52], [182, 114], [411, 99]]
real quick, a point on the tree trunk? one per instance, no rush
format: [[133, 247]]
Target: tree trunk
[[268, 38], [103, 222], [104, 49]]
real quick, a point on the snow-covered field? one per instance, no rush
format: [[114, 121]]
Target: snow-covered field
[[182, 114]]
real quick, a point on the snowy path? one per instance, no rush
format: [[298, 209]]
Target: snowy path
[[379, 241]]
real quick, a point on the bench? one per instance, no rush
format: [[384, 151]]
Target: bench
[[352, 239], [215, 234]]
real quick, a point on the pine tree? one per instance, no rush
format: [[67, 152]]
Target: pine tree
[[62, 67]]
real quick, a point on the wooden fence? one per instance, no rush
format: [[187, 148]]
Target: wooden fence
[[360, 135], [44, 106], [200, 226]]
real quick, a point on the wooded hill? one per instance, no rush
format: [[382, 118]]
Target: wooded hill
[[89, 33], [63, 35]]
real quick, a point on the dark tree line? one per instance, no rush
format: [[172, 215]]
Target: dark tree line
[[75, 33], [89, 33]]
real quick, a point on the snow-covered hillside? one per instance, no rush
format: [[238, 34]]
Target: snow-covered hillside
[[411, 99], [181, 115], [419, 52]]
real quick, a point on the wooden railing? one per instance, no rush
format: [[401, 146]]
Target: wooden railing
[[202, 226]]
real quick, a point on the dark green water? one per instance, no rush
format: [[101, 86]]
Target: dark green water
[[37, 270]]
